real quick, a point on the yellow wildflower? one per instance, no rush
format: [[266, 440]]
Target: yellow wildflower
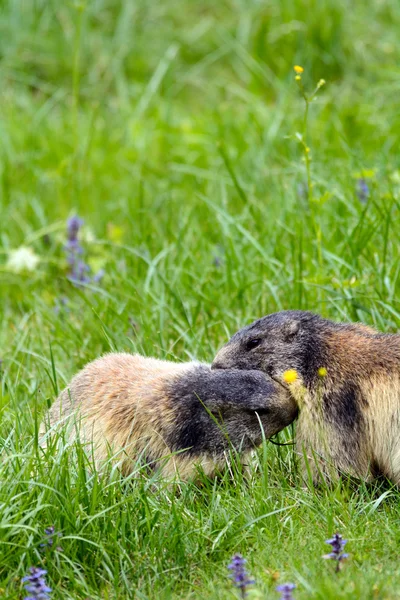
[[290, 376], [298, 78], [322, 372], [297, 69]]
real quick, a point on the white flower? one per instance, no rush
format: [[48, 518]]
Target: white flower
[[22, 259]]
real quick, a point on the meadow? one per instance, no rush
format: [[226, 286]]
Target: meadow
[[176, 130]]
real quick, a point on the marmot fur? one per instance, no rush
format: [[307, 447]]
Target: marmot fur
[[348, 388], [147, 409]]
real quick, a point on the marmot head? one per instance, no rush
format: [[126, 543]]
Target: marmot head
[[228, 408], [285, 340]]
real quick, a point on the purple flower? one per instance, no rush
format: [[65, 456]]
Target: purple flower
[[286, 590], [50, 535], [50, 530], [79, 269], [239, 574], [80, 272], [74, 249], [338, 543], [362, 190], [35, 584], [99, 276], [73, 226]]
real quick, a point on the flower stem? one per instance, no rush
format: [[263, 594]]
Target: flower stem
[[307, 159]]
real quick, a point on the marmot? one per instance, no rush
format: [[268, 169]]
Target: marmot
[[147, 409], [348, 388]]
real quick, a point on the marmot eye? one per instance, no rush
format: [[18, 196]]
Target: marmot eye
[[252, 344]]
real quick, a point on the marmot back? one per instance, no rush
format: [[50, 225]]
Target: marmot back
[[148, 409], [348, 387]]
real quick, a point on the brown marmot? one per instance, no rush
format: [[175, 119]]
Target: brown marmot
[[144, 409], [347, 389]]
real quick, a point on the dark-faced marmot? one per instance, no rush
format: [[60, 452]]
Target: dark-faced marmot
[[347, 389], [148, 408]]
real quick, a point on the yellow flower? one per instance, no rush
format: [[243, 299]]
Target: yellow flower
[[322, 372], [297, 69], [290, 376], [298, 78]]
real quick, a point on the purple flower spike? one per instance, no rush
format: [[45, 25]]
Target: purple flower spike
[[362, 190], [51, 533], [338, 543], [239, 574], [74, 249], [286, 590], [35, 584], [73, 226], [79, 269], [79, 272]]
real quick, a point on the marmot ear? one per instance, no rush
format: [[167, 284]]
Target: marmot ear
[[290, 330]]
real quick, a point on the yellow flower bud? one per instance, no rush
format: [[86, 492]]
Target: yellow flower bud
[[290, 376], [322, 372], [298, 78]]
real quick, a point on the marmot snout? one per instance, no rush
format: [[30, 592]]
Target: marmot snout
[[148, 408]]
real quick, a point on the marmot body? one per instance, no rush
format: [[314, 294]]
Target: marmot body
[[144, 408], [349, 414]]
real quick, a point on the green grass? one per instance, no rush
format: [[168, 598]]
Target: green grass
[[170, 128]]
